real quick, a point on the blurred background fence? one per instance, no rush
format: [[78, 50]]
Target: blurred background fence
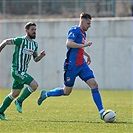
[[111, 33], [64, 8]]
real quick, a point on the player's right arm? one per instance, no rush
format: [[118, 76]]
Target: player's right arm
[[72, 35], [71, 44], [5, 42]]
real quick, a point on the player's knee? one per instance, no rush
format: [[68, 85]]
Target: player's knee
[[93, 84], [14, 94], [34, 85]]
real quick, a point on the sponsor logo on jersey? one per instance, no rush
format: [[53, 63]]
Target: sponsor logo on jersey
[[72, 34], [28, 51]]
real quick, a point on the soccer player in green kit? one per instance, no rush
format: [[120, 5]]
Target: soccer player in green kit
[[25, 48]]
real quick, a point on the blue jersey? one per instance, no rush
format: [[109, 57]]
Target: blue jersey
[[75, 56], [75, 64]]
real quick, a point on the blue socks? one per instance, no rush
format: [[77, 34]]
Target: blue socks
[[95, 94], [56, 92], [97, 99]]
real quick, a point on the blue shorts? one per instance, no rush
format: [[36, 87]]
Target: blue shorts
[[83, 71]]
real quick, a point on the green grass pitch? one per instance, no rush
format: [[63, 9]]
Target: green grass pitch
[[71, 114]]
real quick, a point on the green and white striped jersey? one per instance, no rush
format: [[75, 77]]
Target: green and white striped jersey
[[23, 51]]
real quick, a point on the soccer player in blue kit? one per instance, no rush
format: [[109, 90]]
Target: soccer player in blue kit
[[75, 64]]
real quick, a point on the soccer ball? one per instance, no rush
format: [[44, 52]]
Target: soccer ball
[[109, 116]]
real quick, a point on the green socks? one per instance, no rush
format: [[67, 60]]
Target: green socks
[[6, 103], [8, 99], [27, 91]]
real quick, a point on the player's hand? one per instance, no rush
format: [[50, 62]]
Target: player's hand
[[89, 43], [42, 54], [88, 60]]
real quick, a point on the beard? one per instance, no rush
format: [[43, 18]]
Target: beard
[[85, 29], [32, 36]]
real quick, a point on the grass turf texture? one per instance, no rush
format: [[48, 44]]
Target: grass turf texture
[[73, 114]]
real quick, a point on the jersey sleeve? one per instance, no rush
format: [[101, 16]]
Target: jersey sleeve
[[73, 33], [35, 53], [36, 48], [17, 41]]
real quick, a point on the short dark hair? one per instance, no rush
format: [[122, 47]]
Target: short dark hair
[[27, 26], [85, 15]]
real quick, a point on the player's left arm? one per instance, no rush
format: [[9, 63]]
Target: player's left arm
[[37, 57], [88, 57]]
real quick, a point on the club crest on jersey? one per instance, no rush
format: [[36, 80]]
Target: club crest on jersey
[[28, 51], [68, 79]]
